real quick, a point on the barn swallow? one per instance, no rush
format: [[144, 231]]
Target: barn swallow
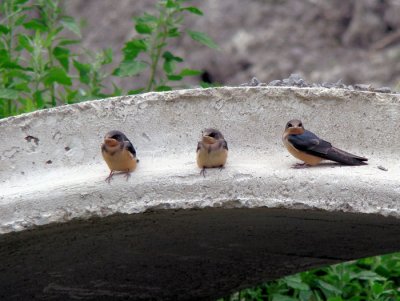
[[212, 150], [119, 154], [309, 148]]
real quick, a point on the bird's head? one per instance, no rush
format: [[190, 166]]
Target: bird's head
[[210, 136], [294, 127], [114, 138]]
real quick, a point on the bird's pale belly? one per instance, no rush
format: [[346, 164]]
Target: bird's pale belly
[[120, 161], [211, 159], [309, 159]]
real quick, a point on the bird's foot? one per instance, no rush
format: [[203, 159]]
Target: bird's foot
[[203, 172], [108, 179], [221, 167], [127, 174], [300, 165]]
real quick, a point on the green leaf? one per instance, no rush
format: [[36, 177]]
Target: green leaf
[[8, 93], [20, 20], [171, 4], [136, 91], [35, 24], [84, 71], [193, 10], [71, 25], [335, 299], [62, 55], [170, 57], [25, 42], [174, 77], [328, 288], [38, 98], [189, 72], [169, 66], [279, 297], [143, 28], [163, 88], [107, 56], [57, 75], [296, 282], [368, 275], [174, 32], [68, 42], [202, 38], [146, 18], [4, 29], [133, 48], [130, 68]]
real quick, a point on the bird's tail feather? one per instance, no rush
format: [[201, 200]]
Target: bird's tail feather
[[343, 157]]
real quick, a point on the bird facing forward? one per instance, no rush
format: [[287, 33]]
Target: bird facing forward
[[119, 154], [212, 150], [310, 149]]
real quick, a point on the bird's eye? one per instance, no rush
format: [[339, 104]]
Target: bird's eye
[[300, 124], [116, 137], [289, 125], [212, 135]]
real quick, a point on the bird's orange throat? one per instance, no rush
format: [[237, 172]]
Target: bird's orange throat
[[110, 142], [208, 140], [295, 131]]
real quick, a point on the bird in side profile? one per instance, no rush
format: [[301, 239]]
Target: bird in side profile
[[119, 154], [310, 149], [212, 150]]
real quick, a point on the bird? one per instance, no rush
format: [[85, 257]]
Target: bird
[[212, 150], [311, 149], [119, 154]]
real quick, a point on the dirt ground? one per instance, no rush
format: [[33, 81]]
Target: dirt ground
[[323, 41]]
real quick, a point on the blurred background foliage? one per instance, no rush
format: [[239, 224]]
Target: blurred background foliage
[[47, 59], [44, 64]]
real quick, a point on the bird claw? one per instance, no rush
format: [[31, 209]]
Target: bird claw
[[108, 179], [203, 172], [300, 165], [127, 175]]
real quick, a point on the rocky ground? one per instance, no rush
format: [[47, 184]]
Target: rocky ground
[[357, 42]]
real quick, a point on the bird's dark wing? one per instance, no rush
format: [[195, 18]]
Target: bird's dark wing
[[198, 146], [313, 145], [130, 147], [224, 144], [310, 143]]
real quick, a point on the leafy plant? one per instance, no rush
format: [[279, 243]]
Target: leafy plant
[[374, 278], [39, 69], [148, 51]]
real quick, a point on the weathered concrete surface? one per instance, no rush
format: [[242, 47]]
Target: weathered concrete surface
[[52, 171]]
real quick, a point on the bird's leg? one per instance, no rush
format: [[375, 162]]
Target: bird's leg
[[127, 174], [221, 167], [300, 165], [108, 179], [203, 172]]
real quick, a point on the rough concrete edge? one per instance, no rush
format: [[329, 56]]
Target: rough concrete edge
[[303, 93]]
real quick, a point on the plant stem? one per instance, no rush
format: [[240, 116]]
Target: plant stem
[[157, 46]]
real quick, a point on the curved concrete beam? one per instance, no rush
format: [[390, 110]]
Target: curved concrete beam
[[52, 171]]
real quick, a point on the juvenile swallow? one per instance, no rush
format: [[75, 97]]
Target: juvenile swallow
[[212, 150], [310, 149], [119, 154]]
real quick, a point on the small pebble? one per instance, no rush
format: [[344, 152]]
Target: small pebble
[[382, 168]]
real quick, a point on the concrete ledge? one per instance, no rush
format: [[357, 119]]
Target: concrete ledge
[[52, 171]]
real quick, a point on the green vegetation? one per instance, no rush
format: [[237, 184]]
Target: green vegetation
[[374, 278], [39, 68]]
